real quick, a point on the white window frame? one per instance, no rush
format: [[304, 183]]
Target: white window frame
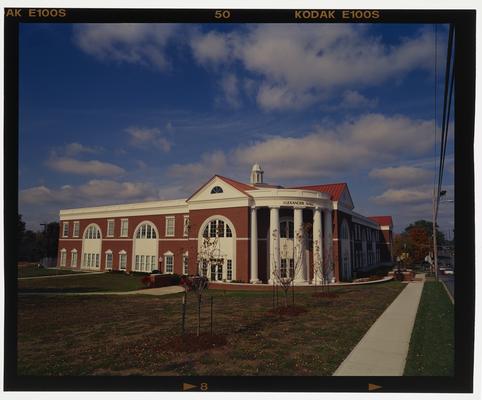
[[76, 229], [122, 254], [186, 226], [185, 263], [63, 258], [72, 263], [167, 255], [107, 254], [65, 229], [168, 220], [110, 227], [124, 221]]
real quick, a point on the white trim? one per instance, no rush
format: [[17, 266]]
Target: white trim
[[168, 254], [120, 228], [70, 239], [127, 210], [65, 224], [107, 234], [74, 224], [170, 218]]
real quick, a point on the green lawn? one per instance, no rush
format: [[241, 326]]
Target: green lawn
[[108, 282], [130, 335], [431, 351], [32, 270]]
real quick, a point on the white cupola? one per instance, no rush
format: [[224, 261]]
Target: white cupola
[[256, 174]]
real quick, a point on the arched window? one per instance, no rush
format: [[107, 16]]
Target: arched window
[[217, 228], [146, 231], [92, 232], [216, 189]]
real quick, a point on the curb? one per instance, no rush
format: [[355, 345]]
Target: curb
[[448, 292]]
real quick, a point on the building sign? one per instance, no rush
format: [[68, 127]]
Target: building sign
[[297, 203]]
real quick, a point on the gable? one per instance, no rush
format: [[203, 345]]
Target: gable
[[217, 188], [345, 199]]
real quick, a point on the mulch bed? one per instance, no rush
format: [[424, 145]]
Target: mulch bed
[[290, 311], [189, 343]]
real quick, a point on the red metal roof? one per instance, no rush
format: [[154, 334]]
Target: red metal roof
[[242, 187], [335, 190], [382, 220]]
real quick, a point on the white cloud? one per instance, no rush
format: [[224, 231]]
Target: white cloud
[[93, 192], [307, 62], [402, 175], [293, 65], [231, 92], [79, 167], [142, 44], [209, 165], [414, 195], [147, 137], [354, 99], [74, 149], [370, 140], [210, 48]]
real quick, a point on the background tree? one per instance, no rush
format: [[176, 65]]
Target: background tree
[[33, 246]]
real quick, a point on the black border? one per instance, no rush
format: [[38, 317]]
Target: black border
[[462, 382]]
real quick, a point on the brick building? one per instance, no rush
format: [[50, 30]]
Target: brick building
[[253, 227]]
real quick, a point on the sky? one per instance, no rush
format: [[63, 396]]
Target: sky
[[118, 113]]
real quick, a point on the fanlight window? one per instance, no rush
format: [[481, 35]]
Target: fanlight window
[[216, 189], [217, 228], [286, 229], [146, 231], [92, 232]]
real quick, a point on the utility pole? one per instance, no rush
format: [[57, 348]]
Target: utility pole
[[434, 233]]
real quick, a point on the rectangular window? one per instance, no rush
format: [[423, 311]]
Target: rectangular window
[[185, 265], [292, 268], [170, 226], [169, 260], [88, 260], [63, 258], [283, 268], [124, 227], [229, 270], [137, 263], [108, 261], [110, 227], [220, 272], [76, 229], [122, 261], [96, 260], [204, 269], [65, 229], [142, 263], [85, 260], [73, 259], [148, 264], [186, 226]]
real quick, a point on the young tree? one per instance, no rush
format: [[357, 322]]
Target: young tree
[[290, 265]]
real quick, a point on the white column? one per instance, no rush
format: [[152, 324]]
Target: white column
[[328, 242], [274, 247], [254, 246], [317, 246], [299, 241]]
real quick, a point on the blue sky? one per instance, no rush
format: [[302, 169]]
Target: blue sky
[[115, 113]]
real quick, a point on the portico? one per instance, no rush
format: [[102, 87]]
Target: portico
[[297, 202]]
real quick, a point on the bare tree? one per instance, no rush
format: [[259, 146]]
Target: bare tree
[[290, 265]]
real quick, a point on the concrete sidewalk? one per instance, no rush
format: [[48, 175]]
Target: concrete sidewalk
[[152, 292], [383, 350]]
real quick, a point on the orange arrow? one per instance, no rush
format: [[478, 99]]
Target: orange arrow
[[187, 386], [371, 387]]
